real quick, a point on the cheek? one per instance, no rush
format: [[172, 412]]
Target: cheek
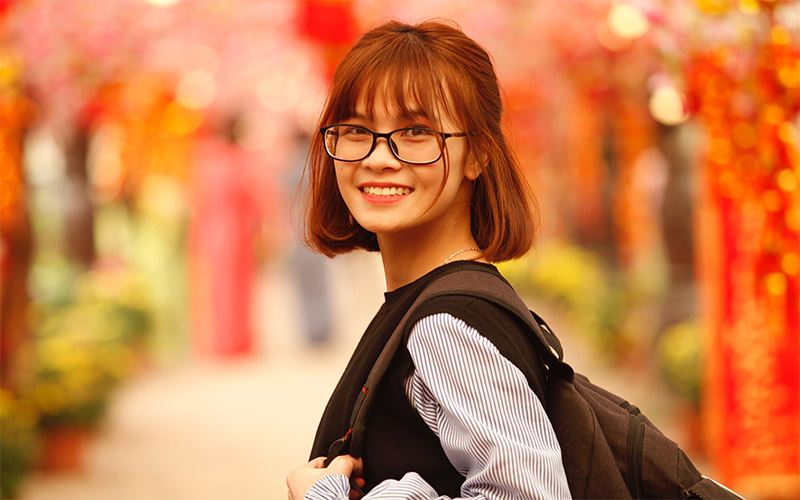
[[443, 192], [341, 175], [433, 180]]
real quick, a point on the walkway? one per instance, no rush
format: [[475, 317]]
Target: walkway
[[204, 431]]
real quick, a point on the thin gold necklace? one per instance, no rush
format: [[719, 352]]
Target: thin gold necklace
[[460, 252]]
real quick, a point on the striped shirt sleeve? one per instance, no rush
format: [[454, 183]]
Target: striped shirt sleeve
[[491, 425]]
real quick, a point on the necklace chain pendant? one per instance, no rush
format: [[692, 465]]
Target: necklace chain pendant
[[460, 252]]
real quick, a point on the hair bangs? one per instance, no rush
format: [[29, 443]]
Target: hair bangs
[[402, 74]]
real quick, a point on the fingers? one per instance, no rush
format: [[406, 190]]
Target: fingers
[[302, 478], [347, 465], [358, 467], [356, 493]]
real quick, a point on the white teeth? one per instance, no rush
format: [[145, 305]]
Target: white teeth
[[385, 191]]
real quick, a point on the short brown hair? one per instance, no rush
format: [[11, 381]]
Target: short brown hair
[[435, 66]]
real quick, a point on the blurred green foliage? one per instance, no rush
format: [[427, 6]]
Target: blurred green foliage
[[89, 331], [85, 342], [19, 443], [617, 312], [577, 282], [680, 360]]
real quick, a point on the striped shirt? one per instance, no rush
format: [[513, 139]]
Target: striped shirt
[[491, 425]]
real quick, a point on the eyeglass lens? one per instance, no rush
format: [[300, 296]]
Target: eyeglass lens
[[413, 145]]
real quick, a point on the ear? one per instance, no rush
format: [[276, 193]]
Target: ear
[[473, 168]]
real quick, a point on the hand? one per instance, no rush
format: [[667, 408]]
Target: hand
[[302, 478]]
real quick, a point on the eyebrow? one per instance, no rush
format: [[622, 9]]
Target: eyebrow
[[415, 113]]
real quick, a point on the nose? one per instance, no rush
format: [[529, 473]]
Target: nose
[[381, 157]]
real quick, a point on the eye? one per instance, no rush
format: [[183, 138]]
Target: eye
[[355, 131], [418, 133]]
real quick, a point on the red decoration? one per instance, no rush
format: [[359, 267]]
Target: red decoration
[[5, 6], [329, 22], [332, 25], [749, 249]]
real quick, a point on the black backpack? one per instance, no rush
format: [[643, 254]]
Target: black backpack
[[608, 447]]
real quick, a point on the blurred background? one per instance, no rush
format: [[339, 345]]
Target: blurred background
[[164, 335]]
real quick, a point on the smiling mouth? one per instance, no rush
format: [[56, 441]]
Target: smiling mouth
[[386, 191]]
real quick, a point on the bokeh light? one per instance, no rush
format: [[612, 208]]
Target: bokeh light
[[196, 90], [667, 105], [162, 3], [627, 21]]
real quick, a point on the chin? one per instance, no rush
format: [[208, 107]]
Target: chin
[[379, 228]]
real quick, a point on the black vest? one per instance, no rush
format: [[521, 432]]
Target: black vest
[[397, 440]]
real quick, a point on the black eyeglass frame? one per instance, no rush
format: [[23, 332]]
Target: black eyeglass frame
[[377, 135]]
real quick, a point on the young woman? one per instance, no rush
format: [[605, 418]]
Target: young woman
[[412, 161]]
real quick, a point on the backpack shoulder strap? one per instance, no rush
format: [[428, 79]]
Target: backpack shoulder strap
[[482, 283], [352, 440], [473, 281]]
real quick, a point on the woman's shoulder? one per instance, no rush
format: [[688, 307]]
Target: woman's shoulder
[[486, 316], [491, 320], [512, 338]]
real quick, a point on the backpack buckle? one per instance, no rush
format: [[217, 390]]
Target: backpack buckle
[[338, 447]]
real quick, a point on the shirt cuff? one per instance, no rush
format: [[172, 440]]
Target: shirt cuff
[[332, 487]]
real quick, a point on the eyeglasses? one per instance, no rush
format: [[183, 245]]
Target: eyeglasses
[[415, 145]]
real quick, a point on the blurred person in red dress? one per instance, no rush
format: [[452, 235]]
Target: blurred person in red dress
[[229, 202]]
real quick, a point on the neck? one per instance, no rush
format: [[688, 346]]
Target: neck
[[406, 258], [413, 252]]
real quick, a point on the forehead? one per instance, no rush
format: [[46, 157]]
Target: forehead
[[405, 100]]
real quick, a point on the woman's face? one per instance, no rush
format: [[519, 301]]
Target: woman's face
[[392, 198]]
